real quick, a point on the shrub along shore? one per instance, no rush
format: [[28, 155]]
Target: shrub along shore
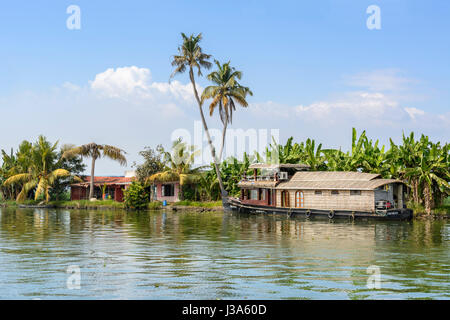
[[113, 205]]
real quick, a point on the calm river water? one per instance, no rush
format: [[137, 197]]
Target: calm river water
[[165, 255]]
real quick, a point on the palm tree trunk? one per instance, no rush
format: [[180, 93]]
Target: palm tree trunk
[[224, 131], [428, 198], [415, 188], [91, 188], [213, 150]]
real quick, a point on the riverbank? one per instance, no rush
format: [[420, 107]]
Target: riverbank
[[196, 206], [114, 205]]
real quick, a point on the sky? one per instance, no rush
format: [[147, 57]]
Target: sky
[[315, 68]]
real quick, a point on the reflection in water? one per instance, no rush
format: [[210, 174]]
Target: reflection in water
[[165, 255]]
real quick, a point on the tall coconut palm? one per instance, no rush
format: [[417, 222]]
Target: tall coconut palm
[[190, 56], [224, 94], [96, 151], [40, 173]]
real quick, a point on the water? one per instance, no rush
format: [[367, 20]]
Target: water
[[164, 255]]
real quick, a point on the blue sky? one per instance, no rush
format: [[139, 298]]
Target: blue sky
[[315, 69]]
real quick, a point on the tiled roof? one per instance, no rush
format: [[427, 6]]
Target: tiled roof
[[105, 180]]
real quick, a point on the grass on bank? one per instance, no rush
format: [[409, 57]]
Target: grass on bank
[[419, 209], [202, 204], [84, 204]]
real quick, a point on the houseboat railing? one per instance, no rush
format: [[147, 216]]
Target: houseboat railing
[[259, 178]]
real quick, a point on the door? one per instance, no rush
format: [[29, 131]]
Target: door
[[285, 199]]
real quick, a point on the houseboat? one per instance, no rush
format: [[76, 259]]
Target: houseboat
[[292, 189]]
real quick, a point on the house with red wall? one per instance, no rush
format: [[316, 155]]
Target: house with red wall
[[113, 186]]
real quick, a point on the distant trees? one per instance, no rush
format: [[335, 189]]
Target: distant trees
[[153, 163], [35, 170]]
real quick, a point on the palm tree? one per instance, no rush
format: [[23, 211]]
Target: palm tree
[[190, 57], [178, 165], [224, 94], [40, 173], [96, 151], [7, 170]]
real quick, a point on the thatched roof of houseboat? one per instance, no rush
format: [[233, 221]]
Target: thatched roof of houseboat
[[335, 180], [297, 166], [257, 184]]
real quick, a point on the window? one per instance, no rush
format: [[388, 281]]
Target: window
[[334, 192], [262, 194], [355, 192], [168, 190], [299, 199], [254, 194], [285, 198], [318, 192]]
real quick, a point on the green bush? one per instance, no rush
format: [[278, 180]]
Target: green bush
[[189, 192], [135, 197], [154, 205]]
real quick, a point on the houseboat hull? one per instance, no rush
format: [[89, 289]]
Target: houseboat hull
[[391, 214]]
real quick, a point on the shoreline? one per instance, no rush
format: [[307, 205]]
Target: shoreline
[[174, 207], [97, 205]]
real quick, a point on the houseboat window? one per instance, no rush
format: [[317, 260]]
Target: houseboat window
[[318, 192], [254, 194], [262, 194], [299, 199], [168, 190], [285, 198], [355, 192], [334, 192]]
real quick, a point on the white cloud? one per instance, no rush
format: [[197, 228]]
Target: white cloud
[[383, 102], [354, 104], [380, 80], [133, 83], [414, 112], [122, 81]]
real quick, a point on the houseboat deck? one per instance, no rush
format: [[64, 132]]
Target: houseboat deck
[[236, 205]]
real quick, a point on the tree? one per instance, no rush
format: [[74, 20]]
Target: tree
[[74, 165], [42, 172], [190, 57], [8, 168], [178, 165], [431, 170], [135, 196], [153, 163], [96, 151], [224, 94]]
